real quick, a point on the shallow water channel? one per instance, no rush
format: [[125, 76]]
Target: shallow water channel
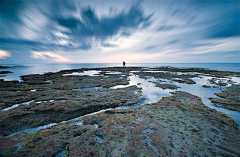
[[152, 94]]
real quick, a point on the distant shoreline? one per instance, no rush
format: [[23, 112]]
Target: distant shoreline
[[26, 69]]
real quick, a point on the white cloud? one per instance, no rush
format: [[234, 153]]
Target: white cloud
[[218, 45], [34, 23], [52, 55], [61, 35], [4, 54]]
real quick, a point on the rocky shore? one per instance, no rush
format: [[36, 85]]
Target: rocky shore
[[6, 71], [177, 125], [229, 98]]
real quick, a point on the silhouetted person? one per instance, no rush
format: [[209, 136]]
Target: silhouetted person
[[124, 64]]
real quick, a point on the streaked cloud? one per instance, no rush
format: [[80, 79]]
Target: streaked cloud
[[51, 55], [141, 31], [217, 45]]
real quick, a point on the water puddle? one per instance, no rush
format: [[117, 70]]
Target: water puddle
[[61, 154], [89, 89], [236, 79], [16, 105], [99, 139], [39, 102], [169, 72], [88, 73], [113, 72], [151, 93], [79, 123], [205, 93], [32, 130]]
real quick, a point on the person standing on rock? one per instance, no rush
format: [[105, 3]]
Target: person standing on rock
[[124, 64]]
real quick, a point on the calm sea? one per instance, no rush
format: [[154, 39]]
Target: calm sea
[[43, 68]]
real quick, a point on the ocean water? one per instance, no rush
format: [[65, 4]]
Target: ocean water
[[26, 69]]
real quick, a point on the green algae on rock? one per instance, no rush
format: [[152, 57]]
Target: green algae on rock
[[178, 125], [229, 98], [166, 86], [166, 128], [186, 80], [78, 103]]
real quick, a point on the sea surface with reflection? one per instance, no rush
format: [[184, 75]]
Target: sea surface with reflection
[[43, 68]]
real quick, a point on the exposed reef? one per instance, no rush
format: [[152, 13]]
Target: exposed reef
[[64, 105], [5, 72], [4, 67], [179, 125], [166, 86], [229, 98], [54, 114]]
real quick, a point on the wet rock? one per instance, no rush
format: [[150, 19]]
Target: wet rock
[[5, 72], [120, 134], [166, 86], [165, 128], [187, 81], [45, 112], [229, 98], [4, 67], [206, 86]]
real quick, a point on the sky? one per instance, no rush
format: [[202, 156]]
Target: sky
[[112, 31]]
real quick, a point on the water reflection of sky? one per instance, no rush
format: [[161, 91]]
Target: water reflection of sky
[[153, 94], [89, 73], [150, 92], [205, 93], [43, 68]]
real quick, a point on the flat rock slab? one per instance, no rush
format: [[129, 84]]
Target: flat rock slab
[[229, 98]]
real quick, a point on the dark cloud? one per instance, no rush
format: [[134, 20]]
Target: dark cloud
[[69, 23], [227, 28], [19, 45], [9, 9], [92, 26], [79, 25], [223, 20], [72, 25], [9, 17]]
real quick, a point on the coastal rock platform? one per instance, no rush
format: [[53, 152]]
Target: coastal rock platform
[[75, 113]]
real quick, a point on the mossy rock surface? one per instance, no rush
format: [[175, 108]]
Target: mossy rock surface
[[166, 128], [179, 125], [229, 98]]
